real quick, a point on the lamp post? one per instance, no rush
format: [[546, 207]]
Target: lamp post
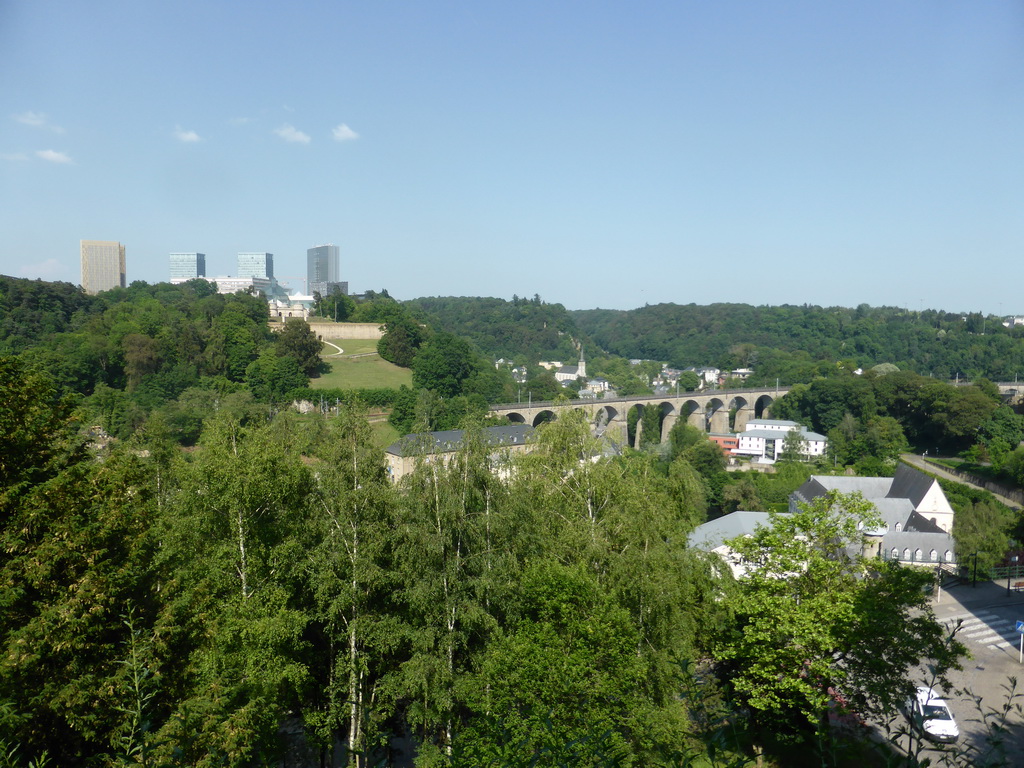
[[1011, 564]]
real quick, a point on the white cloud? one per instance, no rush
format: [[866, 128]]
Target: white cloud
[[53, 156], [189, 137], [292, 135], [344, 133], [48, 268], [37, 120]]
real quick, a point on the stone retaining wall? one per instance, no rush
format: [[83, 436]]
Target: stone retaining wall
[[340, 330]]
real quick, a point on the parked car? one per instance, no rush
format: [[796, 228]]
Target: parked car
[[930, 713]]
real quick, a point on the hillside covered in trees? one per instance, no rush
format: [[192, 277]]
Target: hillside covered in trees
[[795, 343], [212, 578]]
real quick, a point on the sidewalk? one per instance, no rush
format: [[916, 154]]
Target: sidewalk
[[964, 597]]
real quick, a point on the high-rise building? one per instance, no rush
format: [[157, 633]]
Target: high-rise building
[[102, 265], [323, 270], [256, 265], [187, 266]]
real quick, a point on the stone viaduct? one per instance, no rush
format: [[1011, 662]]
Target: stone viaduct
[[717, 411]]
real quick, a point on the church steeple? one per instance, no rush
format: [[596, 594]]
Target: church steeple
[[582, 369]]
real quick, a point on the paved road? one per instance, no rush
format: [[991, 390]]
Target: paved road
[[987, 615]]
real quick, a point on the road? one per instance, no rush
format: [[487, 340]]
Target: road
[[987, 616], [920, 463]]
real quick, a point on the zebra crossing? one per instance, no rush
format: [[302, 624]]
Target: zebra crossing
[[985, 628]]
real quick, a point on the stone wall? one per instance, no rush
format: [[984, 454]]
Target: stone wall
[[340, 330]]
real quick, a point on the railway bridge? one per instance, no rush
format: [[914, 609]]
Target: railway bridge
[[716, 411]]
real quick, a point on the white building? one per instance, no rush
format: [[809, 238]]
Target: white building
[[569, 373], [765, 439], [103, 265]]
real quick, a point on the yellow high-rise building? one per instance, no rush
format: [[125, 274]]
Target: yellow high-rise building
[[102, 265]]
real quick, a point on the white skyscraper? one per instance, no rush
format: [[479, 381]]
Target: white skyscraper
[[103, 265]]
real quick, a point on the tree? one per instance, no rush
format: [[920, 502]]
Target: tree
[[351, 579], [794, 447], [803, 607], [689, 381], [270, 377], [565, 670], [234, 541], [742, 495], [298, 342], [402, 338], [442, 364], [983, 527]]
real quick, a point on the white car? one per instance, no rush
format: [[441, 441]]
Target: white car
[[929, 712]]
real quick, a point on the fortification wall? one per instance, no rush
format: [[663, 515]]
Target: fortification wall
[[341, 330]]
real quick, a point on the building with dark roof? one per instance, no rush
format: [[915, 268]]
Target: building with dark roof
[[916, 515], [502, 442]]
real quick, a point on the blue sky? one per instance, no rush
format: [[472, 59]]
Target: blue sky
[[600, 154]]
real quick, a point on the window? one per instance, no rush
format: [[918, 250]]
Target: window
[[895, 554], [906, 554], [949, 556], [899, 527], [935, 555], [918, 554]]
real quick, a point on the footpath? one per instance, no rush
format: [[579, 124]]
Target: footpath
[[920, 463]]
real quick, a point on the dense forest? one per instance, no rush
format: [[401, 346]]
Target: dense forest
[[196, 574], [791, 343], [273, 592]]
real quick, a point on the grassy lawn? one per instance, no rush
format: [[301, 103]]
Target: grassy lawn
[[383, 434], [349, 347], [359, 367]]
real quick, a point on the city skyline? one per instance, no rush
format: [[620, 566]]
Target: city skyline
[[598, 155]]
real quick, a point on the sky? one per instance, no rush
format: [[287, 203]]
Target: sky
[[599, 154]]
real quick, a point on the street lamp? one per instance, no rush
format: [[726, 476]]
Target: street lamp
[[1013, 562]]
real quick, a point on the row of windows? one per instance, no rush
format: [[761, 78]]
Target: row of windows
[[917, 556]]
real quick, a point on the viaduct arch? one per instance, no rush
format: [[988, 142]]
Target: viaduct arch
[[717, 411]]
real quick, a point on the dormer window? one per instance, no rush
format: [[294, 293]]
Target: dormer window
[[899, 527]]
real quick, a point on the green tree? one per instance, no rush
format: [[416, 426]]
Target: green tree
[[351, 578], [297, 342], [234, 539], [984, 528], [270, 377], [794, 447], [442, 364], [803, 608], [400, 342]]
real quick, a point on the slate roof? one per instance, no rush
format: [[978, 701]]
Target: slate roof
[[895, 498], [714, 533], [451, 440], [773, 422], [775, 434], [910, 484]]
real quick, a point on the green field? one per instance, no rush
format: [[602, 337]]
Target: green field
[[358, 367]]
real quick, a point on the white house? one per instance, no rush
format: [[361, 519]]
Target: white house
[[764, 440]]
